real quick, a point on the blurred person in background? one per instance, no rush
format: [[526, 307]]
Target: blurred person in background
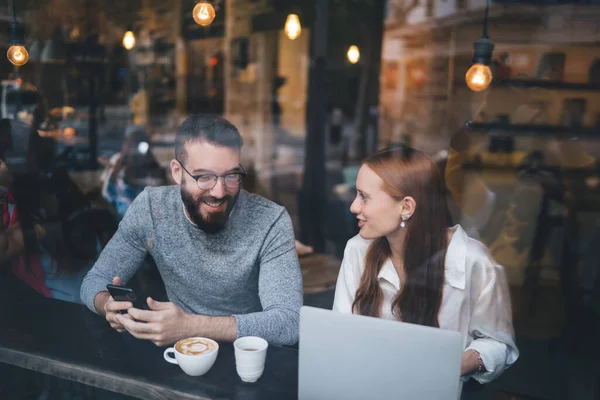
[[49, 236], [131, 170]]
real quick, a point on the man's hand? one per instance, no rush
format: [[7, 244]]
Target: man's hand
[[163, 325], [106, 305]]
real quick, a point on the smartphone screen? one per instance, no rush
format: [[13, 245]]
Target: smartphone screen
[[122, 293]]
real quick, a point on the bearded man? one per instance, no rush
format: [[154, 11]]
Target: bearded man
[[227, 257]]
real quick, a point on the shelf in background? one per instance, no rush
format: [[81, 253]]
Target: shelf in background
[[548, 85], [523, 84], [533, 129]]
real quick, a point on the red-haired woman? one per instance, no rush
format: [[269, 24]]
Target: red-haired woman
[[407, 264]]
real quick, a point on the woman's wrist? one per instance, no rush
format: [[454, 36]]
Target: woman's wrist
[[471, 363], [481, 366]]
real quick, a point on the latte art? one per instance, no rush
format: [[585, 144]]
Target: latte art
[[195, 346]]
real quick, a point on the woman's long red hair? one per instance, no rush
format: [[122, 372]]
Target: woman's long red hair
[[409, 172]]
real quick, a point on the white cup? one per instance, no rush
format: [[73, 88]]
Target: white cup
[[250, 355], [193, 364]]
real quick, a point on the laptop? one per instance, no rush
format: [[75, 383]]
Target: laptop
[[345, 356]]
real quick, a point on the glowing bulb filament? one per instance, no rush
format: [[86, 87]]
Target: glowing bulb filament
[[203, 12]]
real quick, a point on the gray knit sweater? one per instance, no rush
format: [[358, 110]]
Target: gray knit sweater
[[249, 270]]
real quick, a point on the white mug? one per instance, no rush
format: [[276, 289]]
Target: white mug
[[193, 365], [250, 356]]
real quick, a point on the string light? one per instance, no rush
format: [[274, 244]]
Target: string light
[[293, 29], [204, 13], [129, 40], [353, 54], [17, 55], [479, 76]]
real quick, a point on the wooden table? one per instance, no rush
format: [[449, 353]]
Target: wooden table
[[68, 341], [319, 272]]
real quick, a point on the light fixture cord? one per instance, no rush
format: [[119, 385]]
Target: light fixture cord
[[14, 11], [485, 19]]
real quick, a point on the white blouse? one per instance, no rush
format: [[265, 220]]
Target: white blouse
[[475, 300]]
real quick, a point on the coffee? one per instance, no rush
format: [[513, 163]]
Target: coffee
[[195, 355], [250, 349], [195, 346]]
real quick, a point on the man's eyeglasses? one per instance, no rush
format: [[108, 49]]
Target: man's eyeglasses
[[231, 180]]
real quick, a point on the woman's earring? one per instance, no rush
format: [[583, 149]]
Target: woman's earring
[[403, 223]]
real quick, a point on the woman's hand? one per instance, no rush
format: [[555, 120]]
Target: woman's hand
[[469, 363]]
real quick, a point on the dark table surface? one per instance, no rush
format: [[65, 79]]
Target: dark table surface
[[68, 341]]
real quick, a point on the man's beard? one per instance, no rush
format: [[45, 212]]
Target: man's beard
[[213, 222]]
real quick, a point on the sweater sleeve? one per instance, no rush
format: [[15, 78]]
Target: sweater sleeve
[[124, 253], [279, 288]]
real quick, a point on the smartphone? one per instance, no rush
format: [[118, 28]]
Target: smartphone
[[122, 293]]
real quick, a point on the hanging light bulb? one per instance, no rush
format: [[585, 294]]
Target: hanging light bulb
[[353, 54], [17, 55], [293, 29], [479, 76], [129, 40], [204, 13]]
